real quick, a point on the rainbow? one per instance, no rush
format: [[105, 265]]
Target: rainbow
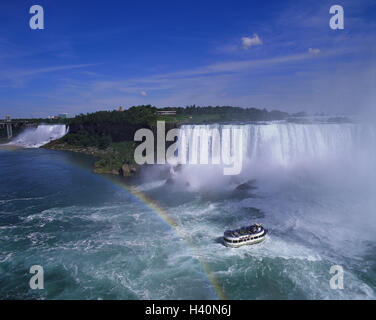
[[155, 207]]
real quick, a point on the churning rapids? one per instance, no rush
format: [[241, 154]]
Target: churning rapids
[[311, 185]]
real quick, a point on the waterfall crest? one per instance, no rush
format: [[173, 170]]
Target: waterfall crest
[[281, 144]]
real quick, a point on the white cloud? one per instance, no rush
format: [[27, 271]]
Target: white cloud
[[248, 42], [143, 93], [314, 51]]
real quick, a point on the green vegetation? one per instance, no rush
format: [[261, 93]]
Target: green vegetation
[[109, 135], [85, 139], [103, 127], [117, 155], [196, 114]]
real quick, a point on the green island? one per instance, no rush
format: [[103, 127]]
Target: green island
[[109, 135]]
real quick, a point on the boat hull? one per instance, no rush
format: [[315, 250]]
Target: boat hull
[[243, 243]]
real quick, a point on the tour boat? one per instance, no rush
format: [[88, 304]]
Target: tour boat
[[246, 235]]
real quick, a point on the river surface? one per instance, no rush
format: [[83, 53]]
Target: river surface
[[97, 237]]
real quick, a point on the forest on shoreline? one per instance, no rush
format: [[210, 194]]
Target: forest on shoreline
[[109, 135]]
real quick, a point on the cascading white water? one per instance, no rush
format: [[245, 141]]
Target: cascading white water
[[314, 183], [284, 144], [39, 136], [279, 145]]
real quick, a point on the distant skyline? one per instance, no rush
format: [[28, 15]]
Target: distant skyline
[[95, 55]]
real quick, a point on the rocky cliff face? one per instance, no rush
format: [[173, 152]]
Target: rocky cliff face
[[128, 170]]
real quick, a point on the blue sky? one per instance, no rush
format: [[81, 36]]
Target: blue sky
[[99, 55]]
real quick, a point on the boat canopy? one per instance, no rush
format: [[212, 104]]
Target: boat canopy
[[255, 228]]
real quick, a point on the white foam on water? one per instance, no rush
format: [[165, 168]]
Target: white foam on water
[[150, 185], [19, 199], [314, 206]]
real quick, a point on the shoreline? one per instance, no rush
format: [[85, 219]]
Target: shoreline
[[10, 147], [126, 170], [102, 159]]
